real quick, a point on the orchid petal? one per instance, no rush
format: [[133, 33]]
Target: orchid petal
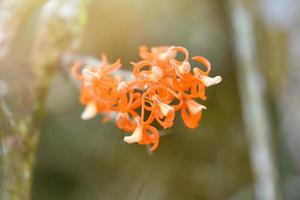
[[89, 112]]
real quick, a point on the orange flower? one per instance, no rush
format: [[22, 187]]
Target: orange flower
[[165, 111], [191, 113], [137, 135], [143, 134], [161, 86], [203, 76], [124, 122]]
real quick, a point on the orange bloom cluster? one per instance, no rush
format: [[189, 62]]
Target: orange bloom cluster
[[161, 85]]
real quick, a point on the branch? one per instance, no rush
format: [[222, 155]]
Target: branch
[[59, 30], [256, 120]]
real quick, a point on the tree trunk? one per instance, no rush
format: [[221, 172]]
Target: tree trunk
[[22, 109]]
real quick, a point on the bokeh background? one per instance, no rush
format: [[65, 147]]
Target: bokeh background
[[247, 145]]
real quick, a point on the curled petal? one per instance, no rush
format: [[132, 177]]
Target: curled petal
[[181, 50], [205, 62], [138, 66], [150, 135], [90, 111]]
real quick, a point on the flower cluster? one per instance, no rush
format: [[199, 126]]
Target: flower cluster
[[162, 84]]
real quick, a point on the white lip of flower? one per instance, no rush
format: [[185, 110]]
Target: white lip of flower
[[157, 73], [194, 107], [208, 81], [164, 108], [122, 86], [136, 136], [90, 111], [89, 76], [184, 68]]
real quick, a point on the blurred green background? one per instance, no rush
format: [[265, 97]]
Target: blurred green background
[[88, 159]]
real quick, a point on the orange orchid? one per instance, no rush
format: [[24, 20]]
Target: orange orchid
[[162, 85], [191, 113]]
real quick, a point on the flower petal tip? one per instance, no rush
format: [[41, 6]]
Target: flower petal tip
[[210, 81], [89, 112], [218, 79], [136, 136]]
